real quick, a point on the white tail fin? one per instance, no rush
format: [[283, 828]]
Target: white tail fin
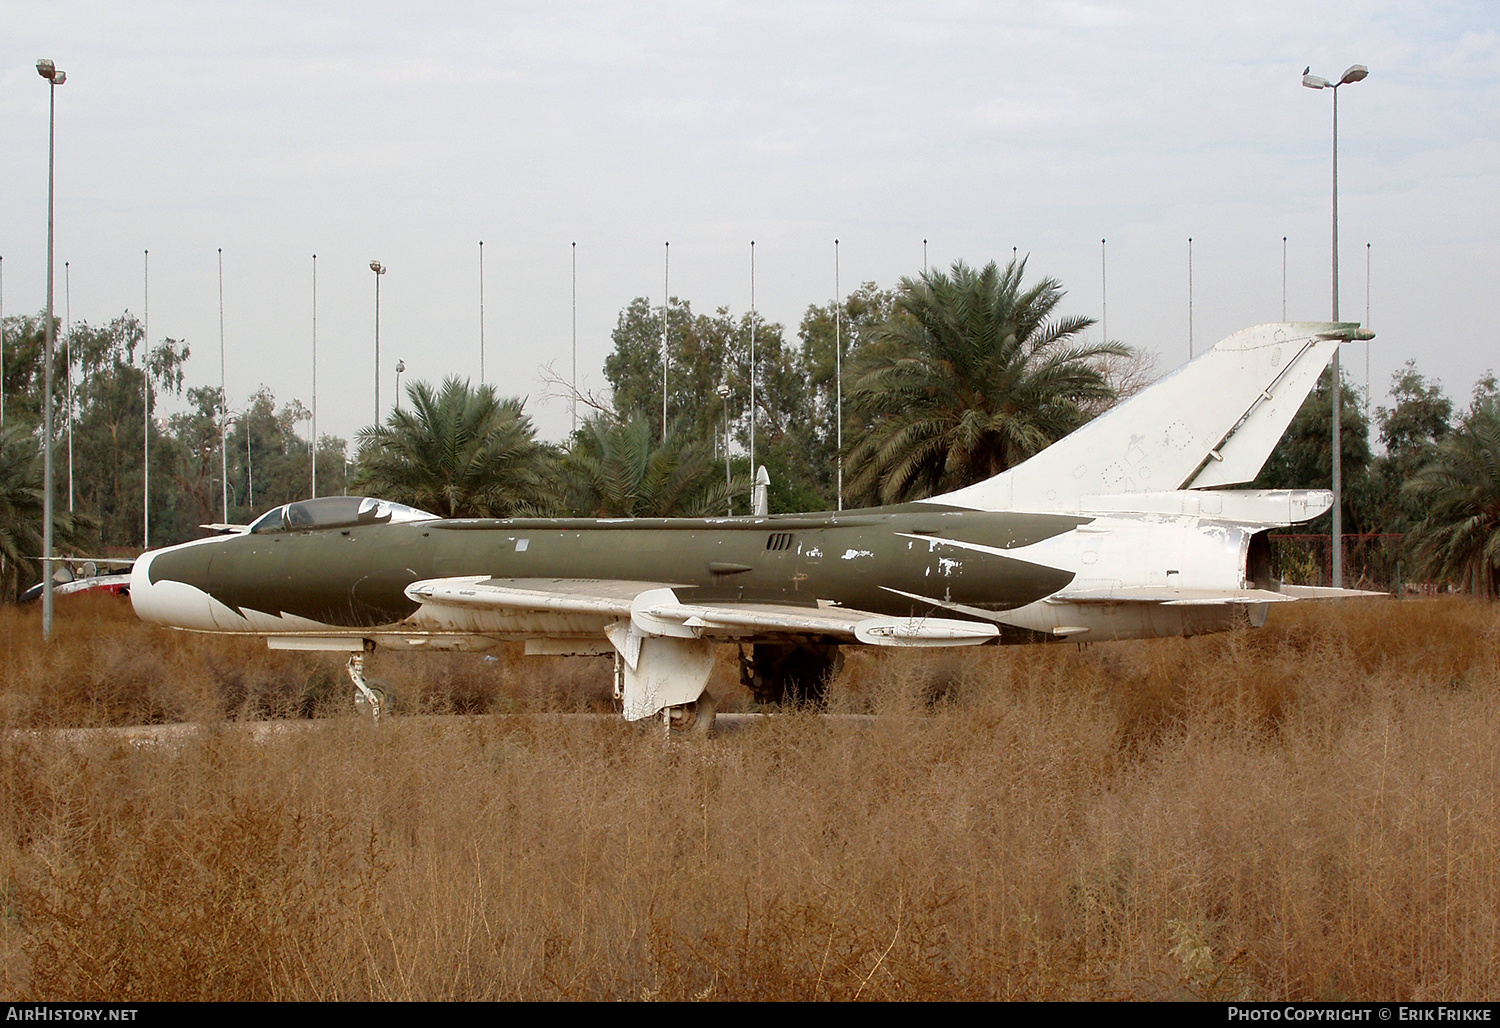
[[1212, 422]]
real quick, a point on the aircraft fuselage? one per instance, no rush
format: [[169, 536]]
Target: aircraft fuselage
[[356, 576]]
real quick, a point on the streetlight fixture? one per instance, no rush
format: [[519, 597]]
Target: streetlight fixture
[[55, 77], [400, 367], [1355, 73], [379, 270]]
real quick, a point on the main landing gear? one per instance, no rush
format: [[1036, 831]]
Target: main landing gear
[[790, 673], [692, 718], [696, 718]]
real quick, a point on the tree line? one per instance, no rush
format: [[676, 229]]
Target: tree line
[[884, 396], [104, 466], [1434, 481]]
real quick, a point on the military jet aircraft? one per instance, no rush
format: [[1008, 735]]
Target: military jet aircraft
[[1122, 529]]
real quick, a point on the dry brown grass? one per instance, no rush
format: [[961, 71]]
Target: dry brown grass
[[107, 668], [1308, 811]]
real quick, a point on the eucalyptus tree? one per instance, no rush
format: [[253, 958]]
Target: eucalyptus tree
[[703, 352], [114, 360], [833, 337], [1410, 431]]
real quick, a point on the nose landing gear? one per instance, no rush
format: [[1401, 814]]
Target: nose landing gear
[[371, 697]]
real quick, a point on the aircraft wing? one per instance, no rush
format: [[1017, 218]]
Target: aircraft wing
[[562, 607], [558, 595]]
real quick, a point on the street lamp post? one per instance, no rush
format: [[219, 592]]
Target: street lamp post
[[55, 77], [400, 367], [1355, 73], [379, 270]]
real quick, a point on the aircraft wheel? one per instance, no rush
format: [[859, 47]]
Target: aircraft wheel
[[385, 699], [695, 718]]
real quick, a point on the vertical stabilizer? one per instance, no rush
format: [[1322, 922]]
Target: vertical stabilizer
[[1212, 422]]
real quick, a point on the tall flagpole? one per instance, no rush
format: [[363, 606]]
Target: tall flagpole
[[314, 384], [666, 295], [1367, 325], [1190, 297], [575, 337], [2, 342], [68, 360], [481, 314], [223, 396], [838, 374], [379, 270], [146, 414], [1283, 278], [752, 366], [1103, 292]]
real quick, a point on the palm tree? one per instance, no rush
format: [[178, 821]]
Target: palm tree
[[459, 452], [21, 507], [618, 470], [1460, 538], [972, 377]]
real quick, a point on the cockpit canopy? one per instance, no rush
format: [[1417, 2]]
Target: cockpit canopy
[[336, 512]]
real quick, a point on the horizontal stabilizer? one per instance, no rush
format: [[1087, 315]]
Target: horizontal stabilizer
[[1328, 592], [1174, 597], [1270, 507]]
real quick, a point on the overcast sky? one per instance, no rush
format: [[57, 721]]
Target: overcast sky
[[409, 134]]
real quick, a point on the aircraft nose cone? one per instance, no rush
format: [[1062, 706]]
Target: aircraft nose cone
[[140, 585], [167, 601]]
